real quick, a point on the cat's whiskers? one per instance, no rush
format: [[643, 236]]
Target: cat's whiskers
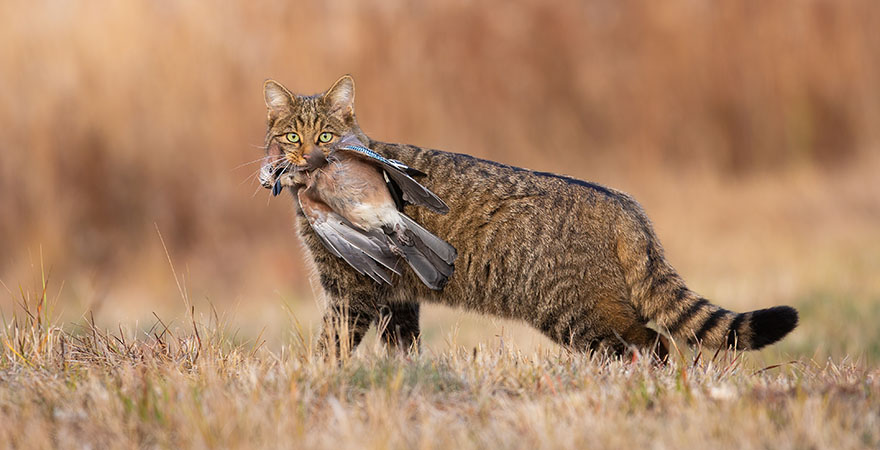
[[260, 159], [256, 174]]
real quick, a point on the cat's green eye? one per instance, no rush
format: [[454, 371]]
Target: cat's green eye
[[325, 137], [293, 138]]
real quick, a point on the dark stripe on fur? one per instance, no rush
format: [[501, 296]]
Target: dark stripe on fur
[[681, 294], [656, 284], [548, 324], [686, 315], [733, 330], [710, 323]]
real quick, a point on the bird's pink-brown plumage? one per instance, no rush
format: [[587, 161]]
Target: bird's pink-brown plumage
[[348, 203]]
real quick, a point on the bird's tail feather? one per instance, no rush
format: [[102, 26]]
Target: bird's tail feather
[[441, 248], [430, 257]]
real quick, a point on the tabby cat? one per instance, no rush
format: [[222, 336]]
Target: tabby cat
[[576, 260]]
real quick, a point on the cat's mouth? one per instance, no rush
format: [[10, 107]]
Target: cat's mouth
[[290, 175], [283, 176]]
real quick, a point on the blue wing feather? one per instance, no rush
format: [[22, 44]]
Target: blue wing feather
[[367, 152], [411, 190]]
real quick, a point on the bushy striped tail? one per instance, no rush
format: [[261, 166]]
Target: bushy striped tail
[[694, 319], [659, 294]]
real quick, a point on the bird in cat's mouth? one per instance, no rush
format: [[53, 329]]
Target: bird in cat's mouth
[[295, 174], [353, 199], [298, 174]]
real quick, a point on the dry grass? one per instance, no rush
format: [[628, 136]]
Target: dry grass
[[193, 386]]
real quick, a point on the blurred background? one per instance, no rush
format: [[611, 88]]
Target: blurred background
[[749, 130]]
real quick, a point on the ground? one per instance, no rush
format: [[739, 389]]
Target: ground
[[195, 386]]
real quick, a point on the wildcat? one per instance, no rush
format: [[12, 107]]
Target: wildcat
[[576, 260]]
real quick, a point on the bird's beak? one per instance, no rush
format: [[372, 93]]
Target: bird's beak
[[276, 174]]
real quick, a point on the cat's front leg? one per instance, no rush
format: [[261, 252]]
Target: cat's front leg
[[399, 325], [345, 322]]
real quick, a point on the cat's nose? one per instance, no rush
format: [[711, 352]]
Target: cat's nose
[[315, 159]]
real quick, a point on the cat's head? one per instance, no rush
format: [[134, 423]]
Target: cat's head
[[300, 125]]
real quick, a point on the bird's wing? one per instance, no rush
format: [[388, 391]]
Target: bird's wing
[[430, 257], [399, 174], [367, 253]]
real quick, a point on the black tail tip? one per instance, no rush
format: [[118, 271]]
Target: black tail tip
[[772, 324]]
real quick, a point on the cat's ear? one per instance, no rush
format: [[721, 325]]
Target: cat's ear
[[278, 98], [340, 97]]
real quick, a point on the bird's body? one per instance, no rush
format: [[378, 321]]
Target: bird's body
[[348, 198], [355, 190]]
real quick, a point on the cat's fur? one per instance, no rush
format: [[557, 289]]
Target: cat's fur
[[578, 261]]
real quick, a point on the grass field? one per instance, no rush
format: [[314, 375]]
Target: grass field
[[193, 386]]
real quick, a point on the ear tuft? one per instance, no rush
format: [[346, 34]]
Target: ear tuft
[[278, 98], [340, 97]]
